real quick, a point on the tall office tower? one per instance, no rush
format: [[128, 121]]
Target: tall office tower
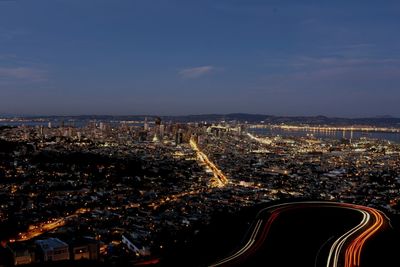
[[49, 125], [157, 129], [102, 126], [146, 125], [162, 131], [168, 128], [179, 137]]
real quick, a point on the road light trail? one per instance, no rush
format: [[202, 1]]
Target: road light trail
[[221, 178], [254, 242], [353, 252], [346, 249], [244, 248], [336, 248]]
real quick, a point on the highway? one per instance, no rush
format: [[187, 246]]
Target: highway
[[220, 179], [345, 250], [43, 227]]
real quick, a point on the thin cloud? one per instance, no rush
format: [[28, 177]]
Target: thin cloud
[[333, 62], [7, 56], [23, 74], [192, 73]]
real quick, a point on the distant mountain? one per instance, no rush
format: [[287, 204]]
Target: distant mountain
[[385, 117], [7, 115], [237, 117]]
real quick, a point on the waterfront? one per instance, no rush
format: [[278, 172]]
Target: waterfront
[[354, 135]]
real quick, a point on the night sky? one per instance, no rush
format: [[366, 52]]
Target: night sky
[[71, 57]]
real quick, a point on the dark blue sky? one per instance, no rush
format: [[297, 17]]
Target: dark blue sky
[[334, 58]]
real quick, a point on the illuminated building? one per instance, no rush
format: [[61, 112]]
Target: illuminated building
[[53, 249], [146, 125]]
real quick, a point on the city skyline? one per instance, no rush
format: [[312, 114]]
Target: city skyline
[[153, 192], [336, 59]]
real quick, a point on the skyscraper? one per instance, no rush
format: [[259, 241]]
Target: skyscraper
[[146, 125]]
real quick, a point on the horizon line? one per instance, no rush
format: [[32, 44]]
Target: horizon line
[[5, 115]]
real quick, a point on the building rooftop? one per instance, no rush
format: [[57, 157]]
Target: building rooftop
[[51, 243]]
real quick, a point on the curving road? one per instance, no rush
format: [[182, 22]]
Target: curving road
[[344, 251]]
